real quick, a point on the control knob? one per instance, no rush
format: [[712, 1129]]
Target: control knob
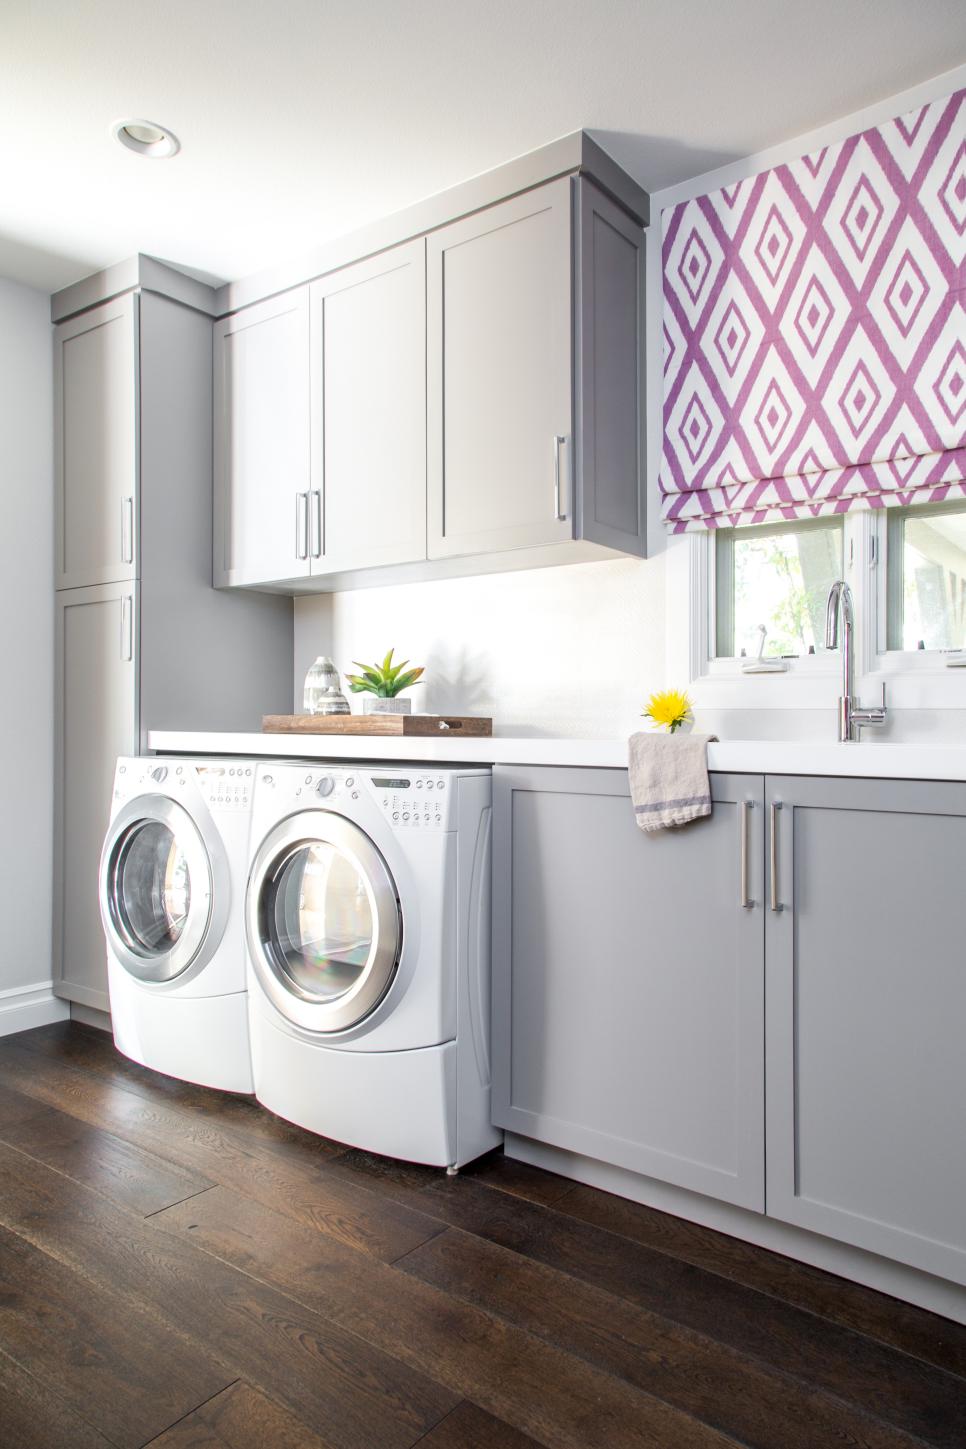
[[160, 773], [325, 786]]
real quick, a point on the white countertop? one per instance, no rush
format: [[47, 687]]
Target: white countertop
[[757, 757]]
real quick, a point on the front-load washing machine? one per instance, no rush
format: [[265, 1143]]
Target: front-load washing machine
[[172, 892], [367, 919]]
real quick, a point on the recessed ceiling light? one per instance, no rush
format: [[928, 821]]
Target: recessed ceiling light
[[146, 139]]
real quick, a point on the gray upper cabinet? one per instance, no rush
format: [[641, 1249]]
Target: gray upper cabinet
[[262, 478], [628, 978], [96, 445], [866, 1003], [368, 502], [534, 367], [96, 720]]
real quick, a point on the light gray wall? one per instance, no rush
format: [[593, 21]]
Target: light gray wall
[[575, 651], [27, 640]]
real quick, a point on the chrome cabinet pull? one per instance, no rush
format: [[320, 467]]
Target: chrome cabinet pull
[[316, 523], [776, 805], [301, 525], [127, 628], [744, 899], [127, 530], [558, 442]]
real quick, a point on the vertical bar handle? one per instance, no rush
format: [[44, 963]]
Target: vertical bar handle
[[776, 805], [127, 628], [558, 442], [316, 522], [301, 525], [744, 900], [127, 530]]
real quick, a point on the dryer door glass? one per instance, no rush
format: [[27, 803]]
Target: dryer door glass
[[321, 924], [326, 922], [152, 888]]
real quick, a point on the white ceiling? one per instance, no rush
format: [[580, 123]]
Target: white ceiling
[[302, 119]]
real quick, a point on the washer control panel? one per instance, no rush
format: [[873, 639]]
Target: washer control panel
[[413, 800], [225, 786]]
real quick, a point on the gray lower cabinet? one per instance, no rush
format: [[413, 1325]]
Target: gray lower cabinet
[[866, 986], [96, 720], [628, 988], [534, 375]]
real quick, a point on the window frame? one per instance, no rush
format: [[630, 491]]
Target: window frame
[[914, 679]]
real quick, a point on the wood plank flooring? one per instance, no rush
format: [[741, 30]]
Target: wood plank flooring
[[181, 1270]]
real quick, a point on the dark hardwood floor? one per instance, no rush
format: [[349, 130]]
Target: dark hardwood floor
[[179, 1269]]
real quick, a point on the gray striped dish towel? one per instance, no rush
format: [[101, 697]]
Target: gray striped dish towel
[[669, 779]]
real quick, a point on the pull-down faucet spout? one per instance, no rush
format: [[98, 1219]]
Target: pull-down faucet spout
[[851, 716]]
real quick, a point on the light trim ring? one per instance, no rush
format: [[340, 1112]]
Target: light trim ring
[[146, 138]]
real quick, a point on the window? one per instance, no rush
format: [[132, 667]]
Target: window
[[775, 577], [926, 578]]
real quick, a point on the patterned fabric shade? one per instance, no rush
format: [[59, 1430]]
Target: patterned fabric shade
[[815, 332]]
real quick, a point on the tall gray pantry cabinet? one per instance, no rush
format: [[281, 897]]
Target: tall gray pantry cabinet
[[142, 639]]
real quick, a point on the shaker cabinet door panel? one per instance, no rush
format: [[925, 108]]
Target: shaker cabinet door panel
[[500, 348], [629, 979], [369, 412], [96, 714], [262, 425], [866, 1079], [96, 445]]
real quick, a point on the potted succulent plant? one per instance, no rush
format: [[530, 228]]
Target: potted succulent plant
[[382, 684]]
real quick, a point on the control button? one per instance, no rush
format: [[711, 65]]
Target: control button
[[426, 818], [405, 814], [231, 770], [350, 782], [325, 786], [268, 780], [161, 773], [308, 779], [178, 770], [355, 794], [441, 784], [419, 784], [122, 769], [395, 815], [248, 772], [429, 784]]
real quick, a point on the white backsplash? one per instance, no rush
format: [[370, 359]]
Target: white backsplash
[[568, 652]]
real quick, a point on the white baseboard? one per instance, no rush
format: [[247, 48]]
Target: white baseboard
[[24, 1007]]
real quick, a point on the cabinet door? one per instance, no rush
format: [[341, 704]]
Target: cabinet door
[[866, 1074], [628, 978], [369, 412], [261, 411], [96, 713], [499, 365], [96, 447]]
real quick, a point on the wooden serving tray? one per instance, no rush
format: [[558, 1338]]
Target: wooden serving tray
[[377, 724]]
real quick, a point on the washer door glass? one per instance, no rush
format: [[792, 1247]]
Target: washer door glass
[[324, 921], [156, 889], [152, 888]]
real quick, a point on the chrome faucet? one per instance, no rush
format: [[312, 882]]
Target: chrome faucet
[[851, 717]]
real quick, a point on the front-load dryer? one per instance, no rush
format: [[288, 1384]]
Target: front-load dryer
[[172, 891], [367, 920]]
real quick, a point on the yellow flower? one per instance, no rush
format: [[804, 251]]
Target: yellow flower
[[670, 709]]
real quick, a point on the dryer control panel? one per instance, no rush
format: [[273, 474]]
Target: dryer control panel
[[416, 800]]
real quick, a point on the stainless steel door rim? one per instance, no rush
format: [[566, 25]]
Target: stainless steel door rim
[[277, 852], [196, 940]]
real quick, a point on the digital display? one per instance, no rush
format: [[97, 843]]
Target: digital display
[[392, 784]]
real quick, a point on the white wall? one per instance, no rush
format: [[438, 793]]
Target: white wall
[[576, 650], [26, 648]]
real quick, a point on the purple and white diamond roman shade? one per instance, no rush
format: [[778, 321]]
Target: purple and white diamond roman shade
[[815, 332]]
